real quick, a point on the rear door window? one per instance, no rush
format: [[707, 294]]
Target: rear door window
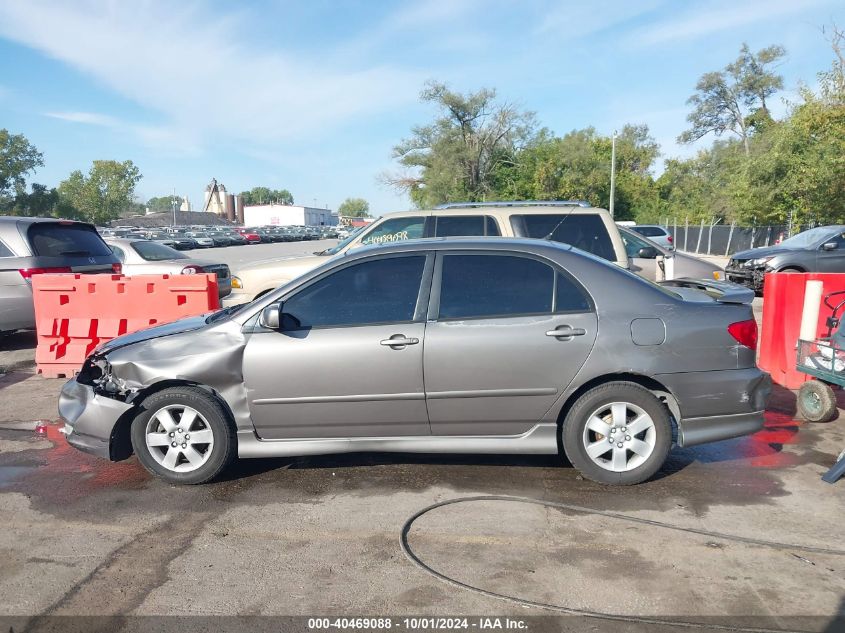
[[585, 231], [53, 239], [649, 231], [465, 225], [154, 252]]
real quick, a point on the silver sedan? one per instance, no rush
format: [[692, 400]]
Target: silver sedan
[[145, 257], [643, 260], [487, 345]]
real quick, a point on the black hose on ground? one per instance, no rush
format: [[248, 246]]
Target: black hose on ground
[[409, 553]]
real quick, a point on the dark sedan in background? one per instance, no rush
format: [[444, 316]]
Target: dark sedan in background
[[819, 250]]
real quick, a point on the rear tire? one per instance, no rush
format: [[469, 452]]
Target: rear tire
[[183, 435], [816, 401], [618, 433]]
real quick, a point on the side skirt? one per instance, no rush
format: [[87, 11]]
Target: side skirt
[[540, 440]]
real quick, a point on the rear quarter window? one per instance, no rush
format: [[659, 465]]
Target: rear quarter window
[[585, 231], [649, 231], [53, 239], [5, 251]]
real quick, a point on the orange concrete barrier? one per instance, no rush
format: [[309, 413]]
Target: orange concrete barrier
[[783, 303], [75, 313]]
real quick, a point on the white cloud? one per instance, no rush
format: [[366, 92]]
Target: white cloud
[[715, 16], [197, 69], [89, 118], [579, 18]]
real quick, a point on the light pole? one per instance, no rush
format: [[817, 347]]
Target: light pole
[[173, 206], [612, 172]]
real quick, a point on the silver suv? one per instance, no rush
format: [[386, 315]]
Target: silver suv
[[31, 246]]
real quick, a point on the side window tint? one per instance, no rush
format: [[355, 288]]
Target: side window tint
[[464, 225], [585, 231], [5, 251], [377, 291], [396, 230], [840, 240], [569, 297], [632, 244], [494, 285]]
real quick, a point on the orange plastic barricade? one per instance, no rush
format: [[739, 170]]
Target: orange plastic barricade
[[783, 303], [75, 313]]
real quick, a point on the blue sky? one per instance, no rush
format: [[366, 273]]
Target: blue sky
[[311, 96]]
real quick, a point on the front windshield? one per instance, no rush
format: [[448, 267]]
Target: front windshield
[[334, 250], [807, 238]]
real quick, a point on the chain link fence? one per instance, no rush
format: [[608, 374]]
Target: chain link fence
[[725, 240]]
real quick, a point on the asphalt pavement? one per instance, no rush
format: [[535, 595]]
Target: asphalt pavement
[[742, 533]]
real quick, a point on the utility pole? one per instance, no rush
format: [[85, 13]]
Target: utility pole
[[173, 206], [612, 172]]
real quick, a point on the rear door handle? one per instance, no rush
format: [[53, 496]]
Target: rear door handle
[[566, 332], [399, 340]]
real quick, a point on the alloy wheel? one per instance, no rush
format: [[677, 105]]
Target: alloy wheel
[[619, 436], [179, 438]]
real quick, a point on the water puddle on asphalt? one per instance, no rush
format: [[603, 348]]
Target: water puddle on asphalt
[[62, 473]]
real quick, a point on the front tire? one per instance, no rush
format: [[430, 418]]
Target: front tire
[[183, 435], [618, 433]]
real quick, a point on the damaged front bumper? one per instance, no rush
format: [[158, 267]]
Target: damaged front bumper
[[90, 419]]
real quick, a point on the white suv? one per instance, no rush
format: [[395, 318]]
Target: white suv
[[572, 222]]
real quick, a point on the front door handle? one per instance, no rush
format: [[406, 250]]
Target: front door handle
[[398, 341], [566, 332]]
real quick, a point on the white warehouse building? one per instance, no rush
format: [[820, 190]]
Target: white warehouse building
[[287, 215]]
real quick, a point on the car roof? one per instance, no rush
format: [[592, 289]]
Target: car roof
[[523, 244], [13, 219], [503, 208]]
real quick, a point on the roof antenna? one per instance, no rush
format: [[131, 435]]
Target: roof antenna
[[557, 226]]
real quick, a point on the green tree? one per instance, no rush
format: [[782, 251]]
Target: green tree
[[354, 207], [40, 202], [265, 195], [104, 193], [457, 156], [159, 204], [734, 99], [18, 159], [576, 166]]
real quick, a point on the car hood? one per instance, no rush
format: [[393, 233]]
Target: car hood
[[763, 251], [176, 327], [283, 262]]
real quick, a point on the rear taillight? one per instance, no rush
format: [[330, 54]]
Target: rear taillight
[[117, 269], [669, 237], [192, 270], [27, 273], [745, 333]]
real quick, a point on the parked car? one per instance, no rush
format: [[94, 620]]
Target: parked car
[[821, 250], [656, 233], [145, 257], [160, 238], [644, 256], [576, 223], [401, 348], [251, 236], [202, 239], [32, 246]]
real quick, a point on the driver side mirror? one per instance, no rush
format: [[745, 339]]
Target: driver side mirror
[[648, 252], [830, 246], [270, 316]]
